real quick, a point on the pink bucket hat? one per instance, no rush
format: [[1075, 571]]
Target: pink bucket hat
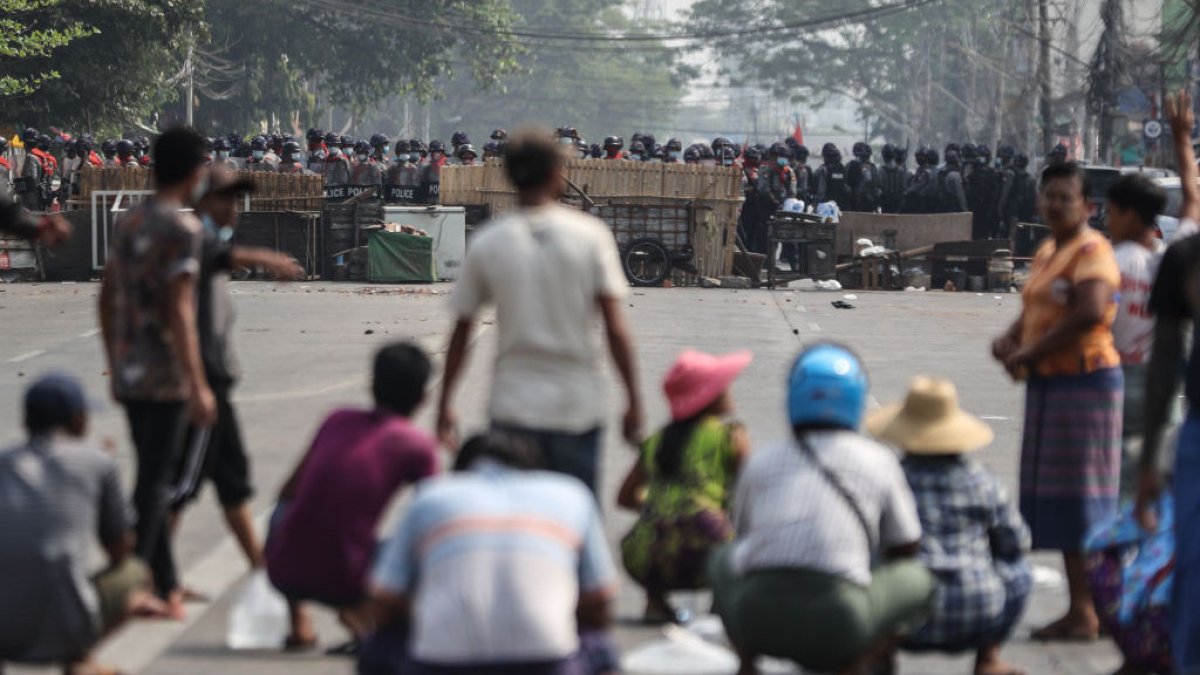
[[698, 379]]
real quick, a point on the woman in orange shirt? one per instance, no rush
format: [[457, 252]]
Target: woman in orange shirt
[[1063, 345]]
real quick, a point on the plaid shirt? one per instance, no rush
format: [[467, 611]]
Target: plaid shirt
[[975, 543]]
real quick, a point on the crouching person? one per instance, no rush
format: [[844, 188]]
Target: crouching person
[[682, 482], [323, 534], [974, 542], [496, 569], [56, 499], [812, 515]]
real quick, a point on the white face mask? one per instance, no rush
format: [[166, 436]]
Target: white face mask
[[335, 152], [259, 154], [223, 154], [362, 157]]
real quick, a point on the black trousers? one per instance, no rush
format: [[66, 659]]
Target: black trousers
[[159, 430]]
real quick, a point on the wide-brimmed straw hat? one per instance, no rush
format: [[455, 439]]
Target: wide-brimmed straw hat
[[697, 380], [929, 421]]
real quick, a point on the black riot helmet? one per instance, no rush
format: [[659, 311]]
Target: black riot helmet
[[459, 138], [718, 143], [888, 153], [753, 155], [380, 141], [124, 147], [729, 155], [675, 144], [315, 136], [649, 141], [952, 147], [29, 137], [221, 144], [403, 147], [638, 149], [970, 153], [901, 156], [499, 135], [613, 143], [801, 152], [437, 146], [932, 158], [3, 144], [108, 148], [861, 151], [780, 150], [362, 148], [985, 153], [1021, 161], [258, 143], [1006, 153], [467, 149], [830, 153], [953, 156], [291, 149], [596, 151], [692, 154]]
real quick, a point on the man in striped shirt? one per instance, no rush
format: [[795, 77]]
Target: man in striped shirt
[[498, 568]]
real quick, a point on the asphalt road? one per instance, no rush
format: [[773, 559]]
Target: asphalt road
[[306, 350]]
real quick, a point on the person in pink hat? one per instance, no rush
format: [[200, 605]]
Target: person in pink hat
[[682, 482]]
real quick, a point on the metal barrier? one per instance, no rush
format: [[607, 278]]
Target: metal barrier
[[106, 206]]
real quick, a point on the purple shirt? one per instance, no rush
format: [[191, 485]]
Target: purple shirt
[[323, 547]]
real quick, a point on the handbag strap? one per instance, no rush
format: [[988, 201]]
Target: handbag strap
[[836, 483]]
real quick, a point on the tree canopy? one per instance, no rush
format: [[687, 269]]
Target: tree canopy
[[22, 40]]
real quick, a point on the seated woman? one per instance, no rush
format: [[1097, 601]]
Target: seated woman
[[682, 482], [813, 515], [975, 542]]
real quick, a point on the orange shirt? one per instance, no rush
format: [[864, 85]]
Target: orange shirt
[[1053, 277]]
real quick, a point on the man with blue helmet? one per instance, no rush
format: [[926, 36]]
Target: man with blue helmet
[[828, 522]]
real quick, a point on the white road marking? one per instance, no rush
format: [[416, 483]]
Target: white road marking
[[802, 309], [813, 327], [994, 418], [90, 333], [26, 356]]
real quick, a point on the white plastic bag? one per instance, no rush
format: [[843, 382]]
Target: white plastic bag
[[680, 653], [259, 618]]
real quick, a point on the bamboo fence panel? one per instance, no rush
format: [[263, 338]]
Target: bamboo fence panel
[[272, 191]]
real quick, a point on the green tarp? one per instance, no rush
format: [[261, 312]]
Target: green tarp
[[397, 258]]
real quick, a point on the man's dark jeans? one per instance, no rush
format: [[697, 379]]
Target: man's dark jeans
[[576, 455], [159, 430]]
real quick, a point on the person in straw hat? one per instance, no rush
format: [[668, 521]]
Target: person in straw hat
[[975, 541], [682, 483]]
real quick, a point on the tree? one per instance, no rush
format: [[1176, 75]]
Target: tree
[[112, 80], [1108, 71], [927, 73], [599, 88], [21, 42], [274, 62]]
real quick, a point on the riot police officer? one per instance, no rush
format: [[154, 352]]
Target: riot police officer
[[1018, 201], [317, 151], [893, 180], [404, 174], [751, 219], [365, 171], [258, 156], [983, 187], [637, 151], [950, 180], [804, 172], [862, 178], [830, 179], [776, 184], [467, 155], [289, 161], [613, 146], [336, 167], [5, 168], [380, 144], [223, 159], [673, 151]]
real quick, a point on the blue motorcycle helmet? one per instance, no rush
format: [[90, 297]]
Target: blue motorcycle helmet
[[827, 388]]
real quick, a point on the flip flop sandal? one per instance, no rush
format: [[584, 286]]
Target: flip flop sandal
[[297, 645], [1058, 632], [350, 648]]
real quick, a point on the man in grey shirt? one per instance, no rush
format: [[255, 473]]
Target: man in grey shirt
[[56, 498]]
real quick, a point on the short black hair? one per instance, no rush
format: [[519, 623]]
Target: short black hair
[[177, 155], [1068, 170], [1141, 195], [401, 373], [510, 449], [531, 159]]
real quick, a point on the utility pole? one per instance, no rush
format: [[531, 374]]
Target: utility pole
[[1045, 106], [191, 84]]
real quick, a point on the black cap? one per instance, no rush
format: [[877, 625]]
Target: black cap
[[54, 401]]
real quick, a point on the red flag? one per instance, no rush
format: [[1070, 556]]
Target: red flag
[[798, 134]]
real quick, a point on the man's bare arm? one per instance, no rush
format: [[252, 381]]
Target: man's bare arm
[[456, 360], [1179, 111], [620, 345]]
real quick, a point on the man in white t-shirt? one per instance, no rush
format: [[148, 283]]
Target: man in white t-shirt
[[1134, 204], [553, 274]]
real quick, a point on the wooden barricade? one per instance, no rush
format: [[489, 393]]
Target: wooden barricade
[[273, 191], [715, 192]]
